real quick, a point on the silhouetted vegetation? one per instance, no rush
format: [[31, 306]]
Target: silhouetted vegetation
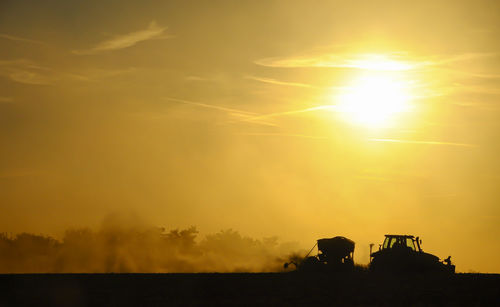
[[118, 249]]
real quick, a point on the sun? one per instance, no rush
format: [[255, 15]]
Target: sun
[[374, 100]]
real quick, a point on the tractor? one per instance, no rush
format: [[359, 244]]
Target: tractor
[[403, 254], [334, 254]]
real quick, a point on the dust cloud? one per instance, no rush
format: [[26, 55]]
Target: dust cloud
[[137, 248]]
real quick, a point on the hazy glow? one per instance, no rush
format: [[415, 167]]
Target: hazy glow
[[374, 100], [380, 63], [273, 118]]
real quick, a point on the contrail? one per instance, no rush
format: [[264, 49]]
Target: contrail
[[278, 82], [252, 116], [325, 107], [210, 106], [286, 135], [247, 116]]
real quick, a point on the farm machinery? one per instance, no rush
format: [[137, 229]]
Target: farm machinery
[[403, 254], [333, 254], [398, 254]]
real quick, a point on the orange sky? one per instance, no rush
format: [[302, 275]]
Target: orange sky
[[233, 114]]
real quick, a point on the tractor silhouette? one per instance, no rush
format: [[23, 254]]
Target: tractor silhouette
[[403, 254]]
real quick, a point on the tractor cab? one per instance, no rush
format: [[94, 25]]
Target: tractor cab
[[401, 242]]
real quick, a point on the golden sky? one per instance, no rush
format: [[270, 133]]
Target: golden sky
[[302, 119]]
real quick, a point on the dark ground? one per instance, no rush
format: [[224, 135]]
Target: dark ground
[[293, 288]]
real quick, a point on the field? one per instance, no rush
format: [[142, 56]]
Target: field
[[247, 289]]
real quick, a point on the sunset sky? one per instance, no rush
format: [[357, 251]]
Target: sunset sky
[[300, 119]]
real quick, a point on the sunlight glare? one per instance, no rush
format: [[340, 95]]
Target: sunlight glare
[[374, 100]]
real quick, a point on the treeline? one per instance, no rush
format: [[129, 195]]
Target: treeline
[[148, 250]]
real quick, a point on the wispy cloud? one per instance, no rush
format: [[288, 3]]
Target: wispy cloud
[[423, 142], [98, 74], [22, 63], [30, 77], [21, 39], [388, 62], [395, 61], [27, 72], [438, 60], [278, 82], [464, 73], [485, 76], [127, 40]]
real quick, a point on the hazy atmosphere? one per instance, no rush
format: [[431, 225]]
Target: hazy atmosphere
[[285, 120]]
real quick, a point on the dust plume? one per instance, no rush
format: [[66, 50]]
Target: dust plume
[[135, 248]]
